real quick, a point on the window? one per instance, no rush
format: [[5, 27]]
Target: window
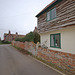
[[48, 16], [51, 14], [55, 40]]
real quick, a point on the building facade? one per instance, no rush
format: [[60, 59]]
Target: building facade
[[56, 25], [10, 37]]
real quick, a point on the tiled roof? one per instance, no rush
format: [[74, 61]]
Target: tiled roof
[[14, 35], [46, 7]]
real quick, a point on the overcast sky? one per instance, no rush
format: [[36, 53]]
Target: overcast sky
[[19, 15]]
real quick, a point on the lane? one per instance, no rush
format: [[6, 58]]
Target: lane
[[13, 62]]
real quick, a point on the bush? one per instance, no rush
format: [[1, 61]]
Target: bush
[[29, 37], [19, 39], [36, 37], [32, 36], [0, 41], [5, 42]]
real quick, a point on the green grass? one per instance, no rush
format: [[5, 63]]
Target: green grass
[[0, 43]]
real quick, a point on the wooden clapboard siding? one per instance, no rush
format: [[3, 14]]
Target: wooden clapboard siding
[[65, 16]]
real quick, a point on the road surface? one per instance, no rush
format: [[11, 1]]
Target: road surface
[[13, 62]]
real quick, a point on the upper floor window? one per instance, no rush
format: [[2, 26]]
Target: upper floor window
[[51, 14]]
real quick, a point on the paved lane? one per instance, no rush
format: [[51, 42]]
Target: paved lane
[[13, 62]]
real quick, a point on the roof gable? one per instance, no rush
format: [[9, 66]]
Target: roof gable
[[53, 3]]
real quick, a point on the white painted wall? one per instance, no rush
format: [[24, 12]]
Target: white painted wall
[[67, 40]]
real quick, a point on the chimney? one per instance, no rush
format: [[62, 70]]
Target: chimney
[[9, 32], [16, 33]]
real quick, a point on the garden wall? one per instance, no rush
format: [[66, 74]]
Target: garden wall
[[29, 46], [61, 59]]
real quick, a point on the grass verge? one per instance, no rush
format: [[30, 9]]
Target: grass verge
[[23, 51]]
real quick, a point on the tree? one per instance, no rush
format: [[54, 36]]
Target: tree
[[36, 37], [31, 36], [19, 39]]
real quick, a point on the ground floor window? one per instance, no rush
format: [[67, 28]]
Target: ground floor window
[[55, 40]]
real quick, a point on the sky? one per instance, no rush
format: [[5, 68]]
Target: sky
[[19, 15]]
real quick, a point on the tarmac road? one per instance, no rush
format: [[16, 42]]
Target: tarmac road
[[13, 62]]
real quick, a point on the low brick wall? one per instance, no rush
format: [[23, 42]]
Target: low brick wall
[[18, 44], [61, 59], [29, 46]]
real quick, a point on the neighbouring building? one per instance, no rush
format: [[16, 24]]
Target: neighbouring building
[[10, 37], [56, 25], [35, 30]]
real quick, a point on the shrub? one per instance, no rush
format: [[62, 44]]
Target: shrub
[[5, 42], [19, 39], [31, 36], [36, 37]]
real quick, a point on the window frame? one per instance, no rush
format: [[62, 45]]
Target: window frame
[[55, 40], [50, 15]]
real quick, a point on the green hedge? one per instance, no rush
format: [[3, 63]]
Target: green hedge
[[31, 36], [5, 42]]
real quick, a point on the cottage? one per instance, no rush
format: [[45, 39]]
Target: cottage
[[56, 25], [10, 37]]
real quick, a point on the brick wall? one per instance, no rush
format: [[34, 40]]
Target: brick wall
[[61, 59], [29, 46], [18, 44]]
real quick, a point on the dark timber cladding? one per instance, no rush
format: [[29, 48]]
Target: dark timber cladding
[[48, 7], [65, 16]]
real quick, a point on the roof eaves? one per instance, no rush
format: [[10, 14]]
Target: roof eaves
[[48, 7]]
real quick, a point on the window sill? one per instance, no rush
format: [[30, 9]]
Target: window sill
[[55, 47], [53, 20]]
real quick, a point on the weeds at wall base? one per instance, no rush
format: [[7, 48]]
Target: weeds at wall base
[[23, 51], [53, 66]]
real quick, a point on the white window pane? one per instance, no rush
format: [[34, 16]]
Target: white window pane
[[53, 13], [52, 40], [57, 38], [48, 15]]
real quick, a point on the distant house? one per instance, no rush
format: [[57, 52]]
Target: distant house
[[10, 37], [56, 25]]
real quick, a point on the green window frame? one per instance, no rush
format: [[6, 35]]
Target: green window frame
[[51, 14], [55, 40]]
